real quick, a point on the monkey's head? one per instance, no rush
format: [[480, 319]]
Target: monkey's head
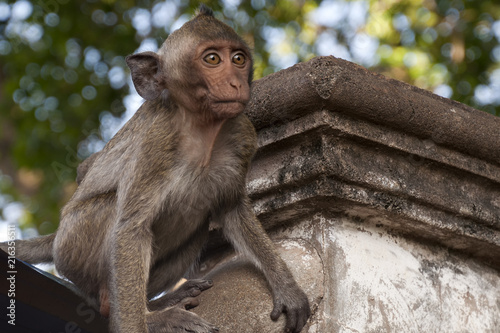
[[205, 66]]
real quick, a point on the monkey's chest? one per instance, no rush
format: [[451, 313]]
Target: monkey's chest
[[192, 196]]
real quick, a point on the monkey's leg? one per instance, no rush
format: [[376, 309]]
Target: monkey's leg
[[80, 247], [184, 300], [184, 295], [178, 320], [166, 273], [34, 251], [170, 315]]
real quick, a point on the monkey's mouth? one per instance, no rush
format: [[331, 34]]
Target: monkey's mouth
[[230, 108], [231, 102]]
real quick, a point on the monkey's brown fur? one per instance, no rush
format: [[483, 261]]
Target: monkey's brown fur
[[140, 215]]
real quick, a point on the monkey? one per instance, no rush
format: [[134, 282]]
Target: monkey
[[140, 215], [83, 167]]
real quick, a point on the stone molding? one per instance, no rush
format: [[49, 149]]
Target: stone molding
[[342, 86], [335, 138]]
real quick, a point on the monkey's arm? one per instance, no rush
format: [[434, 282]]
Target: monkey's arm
[[141, 198], [248, 236], [130, 259]]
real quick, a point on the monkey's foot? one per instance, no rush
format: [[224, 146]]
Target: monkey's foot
[[183, 297], [177, 320]]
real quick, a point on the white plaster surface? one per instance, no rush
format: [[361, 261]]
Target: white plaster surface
[[385, 283]]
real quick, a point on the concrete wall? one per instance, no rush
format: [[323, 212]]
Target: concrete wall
[[383, 199]]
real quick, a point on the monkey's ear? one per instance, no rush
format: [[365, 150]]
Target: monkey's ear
[[146, 74]]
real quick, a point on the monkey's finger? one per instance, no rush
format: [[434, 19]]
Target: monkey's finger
[[200, 284], [277, 310], [205, 284], [189, 303], [291, 322], [296, 319], [302, 318]]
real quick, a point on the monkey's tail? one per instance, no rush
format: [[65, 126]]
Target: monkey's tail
[[34, 251]]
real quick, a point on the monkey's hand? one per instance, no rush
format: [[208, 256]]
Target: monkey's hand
[[184, 296], [292, 301], [177, 320]]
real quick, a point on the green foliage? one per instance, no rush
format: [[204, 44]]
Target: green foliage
[[432, 43], [51, 98], [62, 68]]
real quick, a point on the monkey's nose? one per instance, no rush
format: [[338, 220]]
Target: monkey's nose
[[235, 83]]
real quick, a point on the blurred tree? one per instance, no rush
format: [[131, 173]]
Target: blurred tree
[[65, 89], [57, 63], [449, 46]]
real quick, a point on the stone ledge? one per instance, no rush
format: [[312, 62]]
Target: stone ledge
[[341, 86], [424, 169]]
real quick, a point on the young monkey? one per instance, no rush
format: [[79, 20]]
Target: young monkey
[[140, 215]]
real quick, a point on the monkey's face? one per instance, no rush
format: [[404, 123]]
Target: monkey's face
[[222, 70], [205, 66]]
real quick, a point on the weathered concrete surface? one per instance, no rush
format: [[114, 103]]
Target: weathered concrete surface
[[396, 189], [381, 282]]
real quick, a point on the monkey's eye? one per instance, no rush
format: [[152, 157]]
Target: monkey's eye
[[212, 59], [239, 59]]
